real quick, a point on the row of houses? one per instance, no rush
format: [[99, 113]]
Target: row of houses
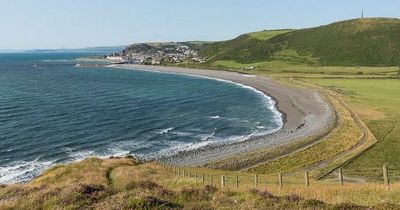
[[168, 55]]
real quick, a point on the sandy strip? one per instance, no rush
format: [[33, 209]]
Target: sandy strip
[[305, 114]]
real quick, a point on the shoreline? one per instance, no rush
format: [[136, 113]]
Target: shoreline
[[303, 113]]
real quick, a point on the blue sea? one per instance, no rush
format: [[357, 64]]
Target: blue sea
[[52, 112]]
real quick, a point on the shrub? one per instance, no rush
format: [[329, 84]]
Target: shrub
[[267, 204], [164, 192], [266, 194], [230, 193], [313, 203], [349, 206], [188, 193], [254, 191], [292, 198], [201, 205], [224, 200], [209, 189], [149, 185], [89, 189], [137, 203], [149, 202], [79, 195]]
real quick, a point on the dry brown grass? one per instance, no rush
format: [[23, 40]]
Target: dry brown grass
[[126, 184]]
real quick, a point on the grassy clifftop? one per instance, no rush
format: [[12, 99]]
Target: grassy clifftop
[[123, 183], [358, 42]]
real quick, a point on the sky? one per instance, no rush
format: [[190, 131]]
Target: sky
[[47, 24]]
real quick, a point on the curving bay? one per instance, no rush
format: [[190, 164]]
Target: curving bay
[[52, 112]]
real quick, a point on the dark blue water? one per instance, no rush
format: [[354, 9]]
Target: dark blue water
[[52, 112]]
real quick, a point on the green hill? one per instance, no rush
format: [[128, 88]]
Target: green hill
[[247, 48], [358, 42]]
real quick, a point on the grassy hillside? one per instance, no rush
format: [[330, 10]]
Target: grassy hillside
[[123, 183], [358, 42], [247, 48], [268, 34]]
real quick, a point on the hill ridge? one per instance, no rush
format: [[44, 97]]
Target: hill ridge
[[355, 42]]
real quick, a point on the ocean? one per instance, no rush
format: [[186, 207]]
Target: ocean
[[52, 112]]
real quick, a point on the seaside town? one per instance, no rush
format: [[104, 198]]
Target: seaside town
[[157, 54], [265, 105]]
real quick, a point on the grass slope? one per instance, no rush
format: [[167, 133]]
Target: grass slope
[[358, 42], [244, 49], [268, 34], [123, 183]]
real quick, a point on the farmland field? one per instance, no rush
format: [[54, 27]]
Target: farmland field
[[377, 102]]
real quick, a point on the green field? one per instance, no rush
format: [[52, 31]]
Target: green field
[[377, 102], [268, 34], [280, 68]]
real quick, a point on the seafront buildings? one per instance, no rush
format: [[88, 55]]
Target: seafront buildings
[[150, 55]]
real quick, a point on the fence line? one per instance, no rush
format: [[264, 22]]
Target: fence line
[[385, 176]]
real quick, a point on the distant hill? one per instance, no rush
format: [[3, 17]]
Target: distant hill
[[11, 51], [358, 42]]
